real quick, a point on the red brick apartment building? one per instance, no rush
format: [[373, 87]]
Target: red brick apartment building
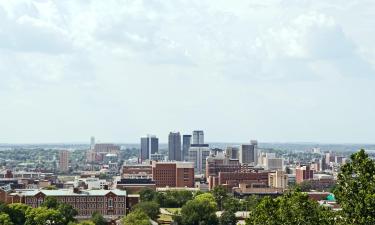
[[112, 204]]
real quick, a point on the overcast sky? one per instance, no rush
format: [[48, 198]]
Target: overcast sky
[[272, 70]]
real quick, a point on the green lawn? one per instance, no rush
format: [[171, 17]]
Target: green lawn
[[173, 210]]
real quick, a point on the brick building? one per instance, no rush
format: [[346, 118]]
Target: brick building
[[112, 204], [138, 171], [304, 173], [173, 174], [233, 179]]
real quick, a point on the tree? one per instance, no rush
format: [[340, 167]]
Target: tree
[[68, 212], [50, 187], [147, 194], [208, 198], [200, 211], [17, 212], [150, 208], [249, 203], [85, 222], [232, 204], [5, 219], [355, 190], [228, 217], [98, 219], [291, 208], [50, 203], [136, 217], [220, 194], [43, 216]]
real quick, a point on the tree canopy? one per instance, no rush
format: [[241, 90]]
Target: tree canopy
[[355, 190], [43, 216], [199, 211], [136, 217], [291, 208], [151, 209]]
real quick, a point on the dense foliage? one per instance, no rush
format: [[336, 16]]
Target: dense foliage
[[136, 217], [168, 199], [150, 208], [199, 211], [355, 190]]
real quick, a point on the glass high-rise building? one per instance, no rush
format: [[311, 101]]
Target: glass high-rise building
[[174, 146], [186, 142], [198, 137], [149, 145]]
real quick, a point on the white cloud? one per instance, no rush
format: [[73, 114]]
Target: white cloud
[[244, 65]]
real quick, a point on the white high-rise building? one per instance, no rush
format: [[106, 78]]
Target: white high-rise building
[[198, 137], [198, 155]]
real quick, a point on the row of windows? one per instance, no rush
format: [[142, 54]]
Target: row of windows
[[78, 199]]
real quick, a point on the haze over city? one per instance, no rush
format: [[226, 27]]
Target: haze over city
[[271, 70]]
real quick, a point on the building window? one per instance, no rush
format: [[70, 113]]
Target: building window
[[110, 202]]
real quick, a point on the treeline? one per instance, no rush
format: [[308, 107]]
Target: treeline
[[50, 212]]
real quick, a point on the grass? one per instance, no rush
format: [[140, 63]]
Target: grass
[[173, 210]]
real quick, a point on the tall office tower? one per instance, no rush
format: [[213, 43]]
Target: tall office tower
[[248, 154], [174, 146], [149, 145], [198, 155], [186, 142], [64, 160], [273, 163], [198, 137], [232, 152], [92, 142]]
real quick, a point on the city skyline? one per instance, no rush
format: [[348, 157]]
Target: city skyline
[[276, 71]]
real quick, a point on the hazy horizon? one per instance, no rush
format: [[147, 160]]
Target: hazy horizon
[[271, 70]]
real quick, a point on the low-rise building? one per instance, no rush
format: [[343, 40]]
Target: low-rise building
[[112, 204]]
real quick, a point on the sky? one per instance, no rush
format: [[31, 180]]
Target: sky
[[271, 70]]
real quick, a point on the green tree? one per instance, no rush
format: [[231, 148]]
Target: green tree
[[208, 198], [355, 190], [147, 194], [291, 208], [220, 194], [228, 217], [3, 207], [200, 211], [150, 208], [232, 204], [85, 222], [68, 212], [50, 187], [136, 217], [5, 219], [43, 216], [98, 219], [249, 203], [17, 212], [50, 202]]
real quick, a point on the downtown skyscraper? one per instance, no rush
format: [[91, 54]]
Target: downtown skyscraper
[[149, 146], [186, 143], [174, 146], [198, 137]]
